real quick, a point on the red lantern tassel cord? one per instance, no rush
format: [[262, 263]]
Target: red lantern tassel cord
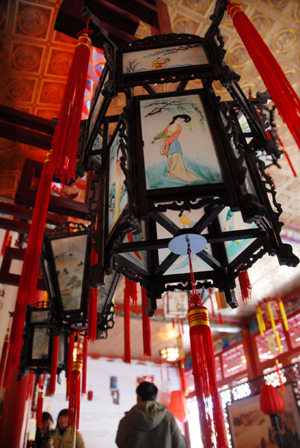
[[54, 359], [84, 364], [70, 362], [146, 326], [3, 357], [245, 285], [40, 402], [74, 400], [127, 348], [281, 91]]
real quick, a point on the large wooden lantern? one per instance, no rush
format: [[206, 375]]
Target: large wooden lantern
[[181, 164]]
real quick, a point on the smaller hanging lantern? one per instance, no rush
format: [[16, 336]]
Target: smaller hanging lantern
[[178, 406], [40, 338], [65, 263], [272, 404]]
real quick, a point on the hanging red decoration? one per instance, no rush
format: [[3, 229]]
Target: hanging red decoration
[[127, 295], [40, 402], [54, 359], [281, 91], [182, 378], [93, 302], [70, 363], [204, 371], [84, 364], [271, 402], [74, 399], [146, 326], [279, 373], [3, 357], [178, 406], [245, 285]]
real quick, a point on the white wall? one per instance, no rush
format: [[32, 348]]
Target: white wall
[[99, 418]]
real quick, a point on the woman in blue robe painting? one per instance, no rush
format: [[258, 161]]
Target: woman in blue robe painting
[[170, 146]]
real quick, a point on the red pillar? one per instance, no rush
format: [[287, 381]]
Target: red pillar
[[16, 411]]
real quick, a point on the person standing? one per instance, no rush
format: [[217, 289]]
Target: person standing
[[149, 424], [62, 437]]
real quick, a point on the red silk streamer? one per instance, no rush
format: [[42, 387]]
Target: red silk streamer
[[67, 129], [204, 371], [74, 400], [93, 299], [282, 388], [281, 91], [84, 364], [40, 402], [146, 326], [182, 378], [245, 285], [127, 348], [70, 363], [3, 357], [54, 359]]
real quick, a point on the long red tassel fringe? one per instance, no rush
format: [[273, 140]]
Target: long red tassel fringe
[[54, 359], [70, 363], [40, 402], [84, 364], [146, 326], [280, 89], [245, 285], [127, 347], [74, 400]]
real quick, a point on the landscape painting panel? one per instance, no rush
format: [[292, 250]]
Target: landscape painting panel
[[251, 428], [178, 147]]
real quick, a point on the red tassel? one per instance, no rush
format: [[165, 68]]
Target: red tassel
[[93, 302], [133, 293], [127, 348], [146, 326], [245, 285], [74, 400], [204, 371], [40, 402], [70, 362], [282, 388], [182, 378], [5, 242], [67, 130], [84, 364], [54, 359], [281, 91], [3, 357]]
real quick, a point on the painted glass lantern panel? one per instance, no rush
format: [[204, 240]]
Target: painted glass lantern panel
[[61, 349], [40, 343], [185, 219], [176, 304], [178, 146], [104, 291], [69, 256], [118, 196], [98, 101], [40, 316], [230, 221], [164, 58], [138, 258]]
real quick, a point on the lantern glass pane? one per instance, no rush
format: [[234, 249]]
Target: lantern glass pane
[[118, 196], [138, 258], [176, 304], [47, 272], [230, 221], [39, 316], [40, 343], [69, 257], [182, 220], [104, 290], [164, 58], [98, 100], [178, 146]]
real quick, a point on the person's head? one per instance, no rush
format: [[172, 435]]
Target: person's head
[[181, 118], [47, 421], [146, 391], [62, 419]]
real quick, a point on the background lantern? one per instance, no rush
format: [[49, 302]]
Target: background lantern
[[39, 342], [272, 404]]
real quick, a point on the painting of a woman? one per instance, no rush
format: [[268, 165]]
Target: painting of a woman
[[170, 146]]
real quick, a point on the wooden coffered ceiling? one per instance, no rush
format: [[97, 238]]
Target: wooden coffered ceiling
[[34, 63]]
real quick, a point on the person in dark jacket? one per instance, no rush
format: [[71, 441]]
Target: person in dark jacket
[[149, 424], [44, 434]]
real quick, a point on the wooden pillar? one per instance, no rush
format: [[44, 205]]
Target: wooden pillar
[[250, 349], [16, 411], [163, 22]]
